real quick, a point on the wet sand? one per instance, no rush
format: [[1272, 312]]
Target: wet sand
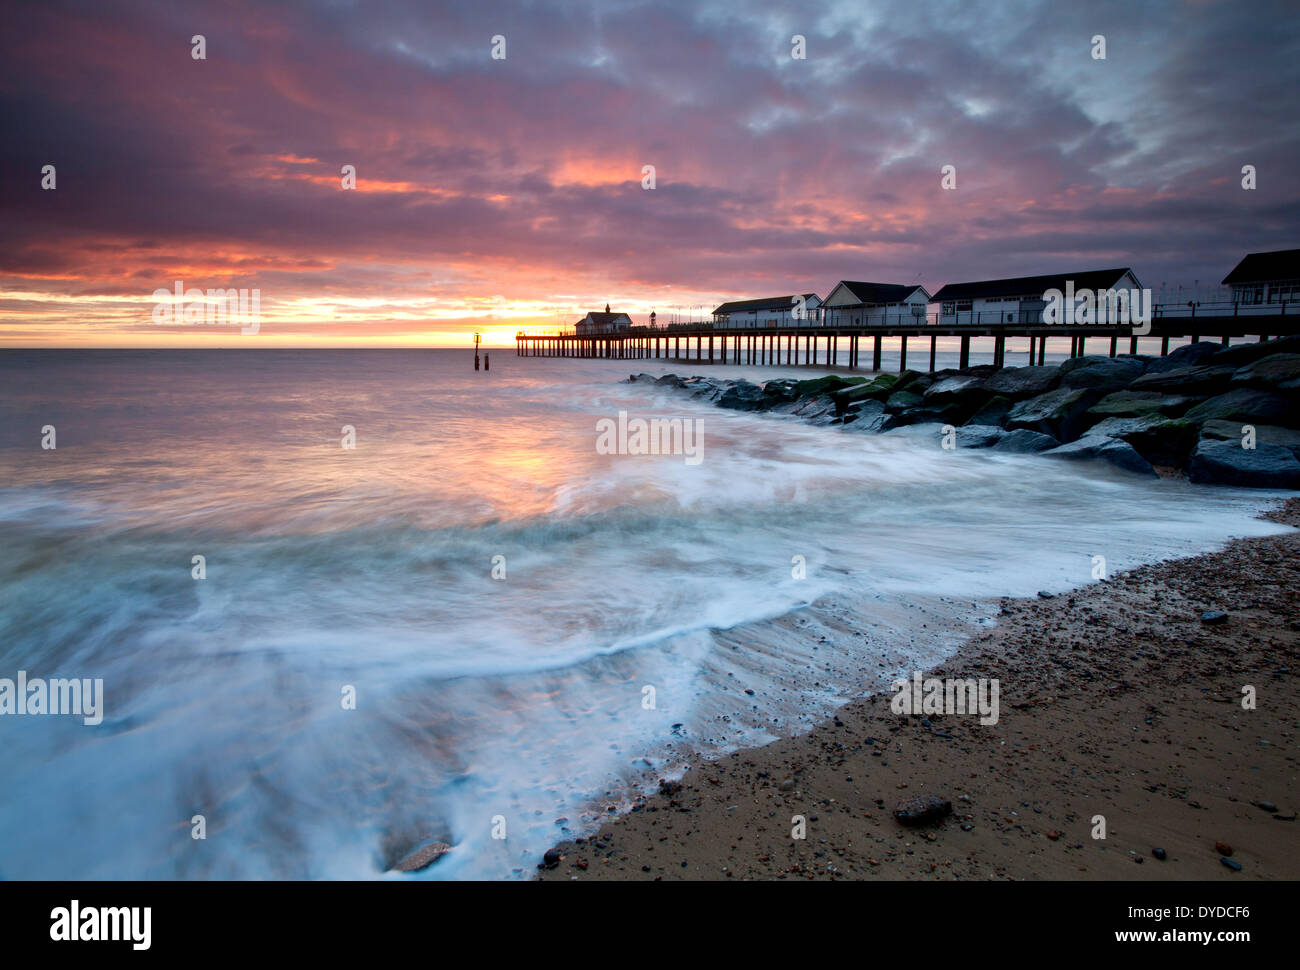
[[1116, 700]]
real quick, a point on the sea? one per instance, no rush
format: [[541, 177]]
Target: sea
[[346, 603]]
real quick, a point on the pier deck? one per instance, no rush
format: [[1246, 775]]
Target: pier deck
[[815, 345]]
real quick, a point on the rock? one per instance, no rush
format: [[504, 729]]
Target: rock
[[1186, 356], [1214, 618], [879, 389], [1248, 406], [1222, 848], [1231, 864], [672, 379], [916, 382], [814, 407], [1271, 434], [1160, 854], [993, 411], [1022, 382], [551, 859], [1115, 451], [1160, 440], [1247, 353], [641, 379], [1059, 413], [978, 436], [825, 385], [742, 396], [961, 387], [867, 416], [1266, 806], [1208, 379], [423, 858], [1278, 372], [1227, 463], [1054, 835], [1135, 404], [1109, 373], [1024, 442], [923, 810], [902, 401], [780, 390]]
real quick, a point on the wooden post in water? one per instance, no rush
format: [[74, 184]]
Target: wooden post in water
[[875, 354], [902, 354], [934, 343], [477, 338], [1114, 345], [965, 352]]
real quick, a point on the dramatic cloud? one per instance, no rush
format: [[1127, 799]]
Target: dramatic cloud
[[500, 192]]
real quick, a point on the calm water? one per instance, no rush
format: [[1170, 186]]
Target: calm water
[[479, 701]]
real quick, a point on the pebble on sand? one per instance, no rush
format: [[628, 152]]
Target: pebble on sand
[[423, 858], [923, 809]]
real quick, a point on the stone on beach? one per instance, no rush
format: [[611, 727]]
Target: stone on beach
[[923, 810]]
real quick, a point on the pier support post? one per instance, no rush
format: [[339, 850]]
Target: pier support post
[[964, 361], [999, 349], [1042, 350], [1164, 346], [934, 343], [902, 354], [1114, 346], [1133, 346]]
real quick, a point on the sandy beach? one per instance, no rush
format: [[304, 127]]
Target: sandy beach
[[1118, 700]]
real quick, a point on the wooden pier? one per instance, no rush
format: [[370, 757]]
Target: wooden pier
[[813, 345]]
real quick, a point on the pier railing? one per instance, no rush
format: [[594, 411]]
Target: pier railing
[[833, 320]]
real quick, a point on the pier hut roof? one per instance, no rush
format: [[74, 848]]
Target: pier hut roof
[[1266, 267], [1035, 286], [879, 293], [766, 303], [604, 319]]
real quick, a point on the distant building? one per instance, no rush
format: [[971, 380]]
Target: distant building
[[1020, 300], [795, 310], [603, 322], [1266, 278], [854, 304]]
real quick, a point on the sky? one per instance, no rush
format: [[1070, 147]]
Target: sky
[[497, 193]]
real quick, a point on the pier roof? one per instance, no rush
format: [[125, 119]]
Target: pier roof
[[1284, 264], [1096, 279], [878, 292], [765, 303]]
